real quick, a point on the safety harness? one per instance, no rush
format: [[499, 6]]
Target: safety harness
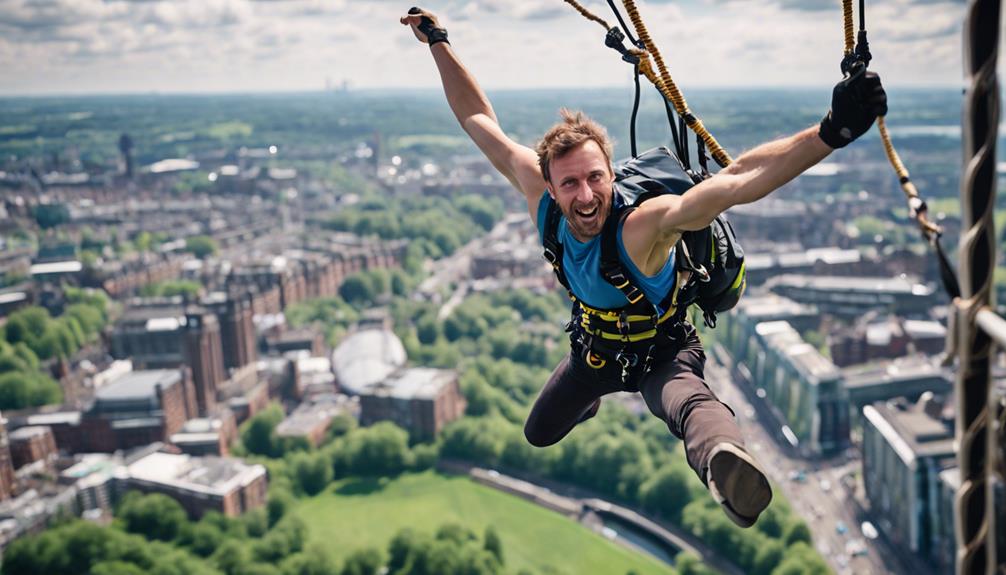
[[709, 268], [624, 332]]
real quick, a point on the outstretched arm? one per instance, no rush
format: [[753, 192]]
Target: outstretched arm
[[856, 102], [471, 107]]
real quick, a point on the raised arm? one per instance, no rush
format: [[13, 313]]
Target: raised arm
[[519, 164]]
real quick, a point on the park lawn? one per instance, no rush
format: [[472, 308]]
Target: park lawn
[[357, 513]]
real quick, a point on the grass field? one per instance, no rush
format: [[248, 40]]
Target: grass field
[[353, 514]]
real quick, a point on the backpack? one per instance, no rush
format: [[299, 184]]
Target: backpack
[[709, 262]]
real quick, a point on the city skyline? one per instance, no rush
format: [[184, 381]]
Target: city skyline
[[130, 46]]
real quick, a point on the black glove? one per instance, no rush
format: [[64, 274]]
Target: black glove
[[855, 103], [428, 26]]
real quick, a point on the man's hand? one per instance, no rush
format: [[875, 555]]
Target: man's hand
[[425, 26], [855, 103]]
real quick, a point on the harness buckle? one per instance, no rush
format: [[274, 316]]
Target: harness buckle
[[550, 256], [627, 361]]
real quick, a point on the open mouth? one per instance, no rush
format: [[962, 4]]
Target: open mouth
[[587, 213]]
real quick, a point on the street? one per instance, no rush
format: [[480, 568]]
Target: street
[[821, 491]]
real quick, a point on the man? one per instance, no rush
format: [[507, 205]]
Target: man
[[572, 169]]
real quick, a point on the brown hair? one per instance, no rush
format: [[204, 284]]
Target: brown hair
[[574, 129]]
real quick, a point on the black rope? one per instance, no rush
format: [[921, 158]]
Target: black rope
[[635, 110], [674, 133], [621, 22], [947, 274]]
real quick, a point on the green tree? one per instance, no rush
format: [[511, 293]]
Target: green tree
[[280, 501], [233, 558], [493, 544], [312, 471], [154, 516], [314, 560], [768, 557], [201, 246], [258, 434], [667, 492], [797, 532], [363, 562], [800, 559], [379, 450]]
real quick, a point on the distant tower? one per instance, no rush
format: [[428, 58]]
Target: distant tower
[[204, 356], [237, 330], [126, 148]]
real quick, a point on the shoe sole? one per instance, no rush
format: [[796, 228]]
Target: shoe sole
[[737, 484]]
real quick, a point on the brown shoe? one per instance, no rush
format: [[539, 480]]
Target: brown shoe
[[738, 484]]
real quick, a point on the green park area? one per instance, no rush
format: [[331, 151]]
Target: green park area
[[356, 513]]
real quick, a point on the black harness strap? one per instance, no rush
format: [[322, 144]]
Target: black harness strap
[[551, 245]]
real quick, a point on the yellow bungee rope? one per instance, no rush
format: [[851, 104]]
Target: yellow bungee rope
[[916, 206], [660, 77]]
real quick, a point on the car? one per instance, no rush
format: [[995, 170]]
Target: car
[[798, 475], [855, 548], [841, 528], [825, 485], [869, 531]]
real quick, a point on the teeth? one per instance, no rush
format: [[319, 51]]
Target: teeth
[[588, 213]]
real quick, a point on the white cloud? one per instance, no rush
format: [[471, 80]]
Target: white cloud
[[196, 45]]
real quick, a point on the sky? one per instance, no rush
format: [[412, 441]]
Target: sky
[[198, 46]]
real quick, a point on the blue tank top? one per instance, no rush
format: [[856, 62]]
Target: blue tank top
[[582, 263]]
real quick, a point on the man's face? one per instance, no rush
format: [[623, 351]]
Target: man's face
[[581, 184]]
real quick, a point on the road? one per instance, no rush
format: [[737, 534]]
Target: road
[[821, 491]]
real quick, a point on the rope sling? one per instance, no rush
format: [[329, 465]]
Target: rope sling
[[857, 52], [644, 56]]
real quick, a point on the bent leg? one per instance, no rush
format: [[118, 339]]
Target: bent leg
[[676, 392], [564, 402]]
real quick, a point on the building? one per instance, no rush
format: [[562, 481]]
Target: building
[[738, 326], [312, 418], [906, 449], [207, 435], [137, 409], [64, 425], [94, 478], [237, 328], [885, 337], [420, 400], [907, 377], [804, 389], [200, 484], [853, 296], [204, 355], [169, 335], [31, 444]]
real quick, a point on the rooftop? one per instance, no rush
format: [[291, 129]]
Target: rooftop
[[139, 384], [896, 285], [415, 383], [772, 306], [900, 370], [781, 336], [911, 431], [209, 475], [28, 432]]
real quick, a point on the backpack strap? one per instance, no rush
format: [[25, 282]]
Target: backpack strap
[[611, 264], [551, 245]]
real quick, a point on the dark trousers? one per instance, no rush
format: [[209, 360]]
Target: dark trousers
[[674, 390]]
